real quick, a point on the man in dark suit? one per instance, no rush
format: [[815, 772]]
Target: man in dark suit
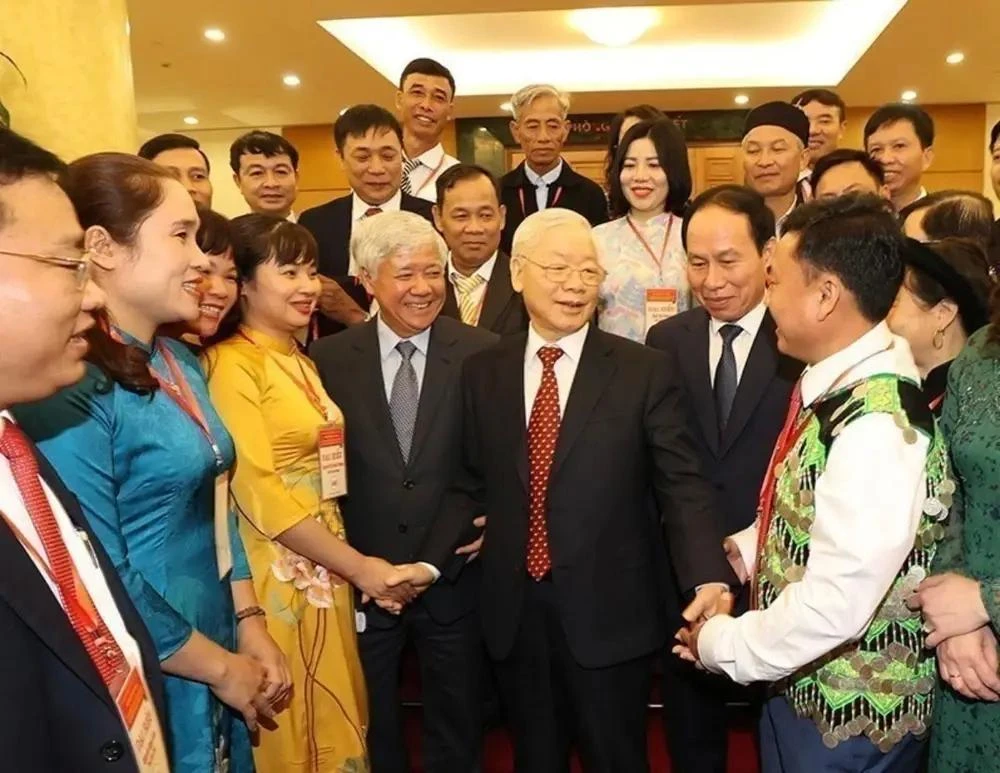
[[71, 643], [545, 179], [396, 379], [470, 216], [577, 442], [369, 143], [739, 385]]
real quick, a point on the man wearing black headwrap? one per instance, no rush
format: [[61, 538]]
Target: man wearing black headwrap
[[775, 140]]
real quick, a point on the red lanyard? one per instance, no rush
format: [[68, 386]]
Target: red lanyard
[[555, 199], [181, 393], [430, 177], [642, 240], [936, 402], [303, 384]]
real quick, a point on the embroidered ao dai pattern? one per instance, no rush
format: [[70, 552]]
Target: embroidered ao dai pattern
[[145, 476], [257, 385]]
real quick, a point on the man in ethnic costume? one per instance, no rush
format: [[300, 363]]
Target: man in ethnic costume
[[850, 514]]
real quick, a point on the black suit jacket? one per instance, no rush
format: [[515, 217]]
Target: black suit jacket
[[330, 224], [57, 714], [574, 191], [393, 506], [503, 309], [624, 455], [737, 461]]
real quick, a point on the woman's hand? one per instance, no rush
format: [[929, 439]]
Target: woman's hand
[[240, 685], [969, 664], [951, 605], [255, 641]]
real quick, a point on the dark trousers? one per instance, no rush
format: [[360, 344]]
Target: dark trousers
[[790, 744], [553, 703], [450, 659]]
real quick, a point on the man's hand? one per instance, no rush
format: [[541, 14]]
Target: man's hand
[[710, 600], [688, 647], [336, 304], [372, 579], [969, 664], [472, 549], [951, 605], [735, 559]]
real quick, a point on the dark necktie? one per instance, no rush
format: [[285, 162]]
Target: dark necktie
[[543, 430], [725, 375], [403, 398]]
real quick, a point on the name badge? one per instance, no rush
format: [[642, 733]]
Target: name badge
[[332, 462], [661, 304], [223, 548], [135, 706]]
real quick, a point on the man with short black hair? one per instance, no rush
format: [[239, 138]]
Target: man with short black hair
[[184, 157], [847, 171], [901, 138], [369, 142], [845, 532], [827, 116], [266, 170], [82, 687], [425, 101], [470, 216]]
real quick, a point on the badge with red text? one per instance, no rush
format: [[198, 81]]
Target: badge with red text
[[332, 462], [661, 304], [135, 706]]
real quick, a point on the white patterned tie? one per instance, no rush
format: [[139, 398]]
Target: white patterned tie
[[466, 286], [404, 398], [408, 167]]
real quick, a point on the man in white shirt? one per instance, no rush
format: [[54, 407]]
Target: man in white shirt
[[738, 384], [73, 645], [425, 102], [827, 116], [845, 530], [901, 138], [775, 152]]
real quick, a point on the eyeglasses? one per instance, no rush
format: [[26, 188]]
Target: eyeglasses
[[557, 274], [79, 266]]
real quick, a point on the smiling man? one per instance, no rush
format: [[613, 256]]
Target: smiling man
[[266, 170], [901, 138], [425, 102], [183, 156], [827, 116]]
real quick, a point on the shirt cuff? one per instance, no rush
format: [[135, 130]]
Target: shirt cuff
[[711, 639], [746, 543], [723, 585], [432, 569]]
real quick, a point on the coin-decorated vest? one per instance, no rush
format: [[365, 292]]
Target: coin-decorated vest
[[881, 685]]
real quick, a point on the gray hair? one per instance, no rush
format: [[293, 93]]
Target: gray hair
[[534, 226], [378, 237], [524, 97]]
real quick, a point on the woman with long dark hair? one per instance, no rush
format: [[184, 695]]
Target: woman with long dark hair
[[138, 442], [620, 124]]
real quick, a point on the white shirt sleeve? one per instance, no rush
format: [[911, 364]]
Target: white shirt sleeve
[[746, 542], [868, 507]]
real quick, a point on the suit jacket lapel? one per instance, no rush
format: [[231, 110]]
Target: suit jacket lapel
[[694, 365], [438, 362], [369, 372], [342, 231], [498, 292], [510, 388], [758, 372], [592, 376], [450, 307]]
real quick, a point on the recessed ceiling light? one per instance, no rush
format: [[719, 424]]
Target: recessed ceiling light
[[741, 99], [215, 35], [956, 57], [507, 107], [291, 80], [190, 120], [614, 26], [909, 95]]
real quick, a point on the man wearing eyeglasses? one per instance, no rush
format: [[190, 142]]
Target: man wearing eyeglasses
[[576, 440], [81, 684]]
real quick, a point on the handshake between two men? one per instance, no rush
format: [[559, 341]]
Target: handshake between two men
[[393, 587]]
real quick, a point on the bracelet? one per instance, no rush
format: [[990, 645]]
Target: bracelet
[[249, 612]]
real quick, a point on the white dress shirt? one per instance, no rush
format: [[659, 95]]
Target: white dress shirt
[[750, 322], [78, 545], [868, 501], [780, 222], [391, 359], [542, 183], [485, 271], [423, 178], [565, 367]]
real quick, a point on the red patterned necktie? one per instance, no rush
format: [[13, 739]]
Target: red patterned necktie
[[83, 615], [543, 430], [372, 211]]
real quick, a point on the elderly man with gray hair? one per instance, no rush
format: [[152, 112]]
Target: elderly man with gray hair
[[545, 179], [396, 379], [577, 444]]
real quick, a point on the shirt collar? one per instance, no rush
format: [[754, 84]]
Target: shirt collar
[[572, 345], [781, 220], [387, 339], [819, 378], [293, 216], [750, 322], [546, 179], [485, 270], [359, 206], [430, 158]]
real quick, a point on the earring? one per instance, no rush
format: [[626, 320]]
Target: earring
[[938, 340]]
